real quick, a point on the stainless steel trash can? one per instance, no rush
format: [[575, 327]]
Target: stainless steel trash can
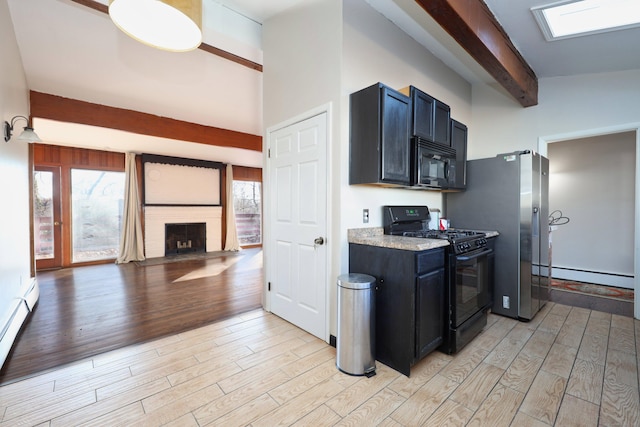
[[355, 343]]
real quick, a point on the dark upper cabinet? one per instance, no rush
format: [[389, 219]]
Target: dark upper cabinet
[[379, 137], [441, 128], [429, 117], [459, 143]]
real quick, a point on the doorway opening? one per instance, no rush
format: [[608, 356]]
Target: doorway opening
[[599, 212]]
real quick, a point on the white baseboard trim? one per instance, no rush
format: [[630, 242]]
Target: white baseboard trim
[[606, 279], [20, 311]]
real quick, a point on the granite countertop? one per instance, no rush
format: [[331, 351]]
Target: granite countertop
[[374, 236]]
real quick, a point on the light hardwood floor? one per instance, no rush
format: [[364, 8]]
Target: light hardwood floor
[[568, 367]]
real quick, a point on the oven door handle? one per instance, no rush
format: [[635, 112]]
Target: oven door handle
[[478, 255]]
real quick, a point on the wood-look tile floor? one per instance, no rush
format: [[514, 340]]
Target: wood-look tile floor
[[569, 366]]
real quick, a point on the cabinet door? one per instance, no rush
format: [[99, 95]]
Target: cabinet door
[[441, 132], [395, 142], [430, 312], [459, 143], [423, 114], [394, 271]]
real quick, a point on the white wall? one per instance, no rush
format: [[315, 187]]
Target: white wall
[[15, 277], [319, 53], [302, 63], [565, 105], [301, 59], [568, 108], [375, 50]]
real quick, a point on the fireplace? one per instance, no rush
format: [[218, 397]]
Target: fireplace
[[156, 218], [184, 238]]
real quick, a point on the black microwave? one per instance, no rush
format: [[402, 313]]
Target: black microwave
[[433, 165]]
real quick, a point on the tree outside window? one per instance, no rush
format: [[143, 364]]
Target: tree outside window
[[247, 202]]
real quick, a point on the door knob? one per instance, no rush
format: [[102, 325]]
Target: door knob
[[318, 241], [56, 223]]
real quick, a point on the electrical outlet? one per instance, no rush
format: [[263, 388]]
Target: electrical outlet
[[505, 302], [365, 215]]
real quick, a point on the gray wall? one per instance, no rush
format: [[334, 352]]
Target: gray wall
[[592, 181]]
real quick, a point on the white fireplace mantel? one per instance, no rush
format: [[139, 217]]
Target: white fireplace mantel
[[155, 217]]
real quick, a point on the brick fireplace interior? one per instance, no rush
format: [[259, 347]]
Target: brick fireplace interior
[[185, 238]]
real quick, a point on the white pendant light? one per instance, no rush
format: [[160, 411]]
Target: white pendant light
[[173, 25]]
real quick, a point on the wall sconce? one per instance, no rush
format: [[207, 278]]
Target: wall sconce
[[173, 25], [27, 135]]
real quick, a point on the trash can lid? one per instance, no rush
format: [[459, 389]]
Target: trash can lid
[[356, 281]]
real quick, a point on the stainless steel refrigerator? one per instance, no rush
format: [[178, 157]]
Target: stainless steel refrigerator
[[509, 193]]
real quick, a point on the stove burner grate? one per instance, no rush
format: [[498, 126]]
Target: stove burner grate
[[444, 234]]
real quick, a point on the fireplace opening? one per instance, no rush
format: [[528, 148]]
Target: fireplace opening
[[185, 238]]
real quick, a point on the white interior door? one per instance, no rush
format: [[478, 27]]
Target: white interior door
[[297, 263]]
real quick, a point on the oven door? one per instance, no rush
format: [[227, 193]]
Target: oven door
[[470, 285]]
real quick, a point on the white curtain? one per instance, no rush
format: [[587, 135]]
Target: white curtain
[[231, 243], [131, 241]]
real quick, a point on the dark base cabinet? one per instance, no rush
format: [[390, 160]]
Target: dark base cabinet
[[409, 301]]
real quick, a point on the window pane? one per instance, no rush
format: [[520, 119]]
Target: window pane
[[43, 209], [248, 209], [97, 200]]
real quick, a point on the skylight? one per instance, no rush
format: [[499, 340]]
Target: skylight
[[583, 17]]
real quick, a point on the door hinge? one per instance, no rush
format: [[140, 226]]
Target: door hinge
[[269, 286], [269, 153]]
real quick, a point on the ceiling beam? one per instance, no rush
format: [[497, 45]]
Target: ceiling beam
[[475, 28], [95, 5], [46, 106]]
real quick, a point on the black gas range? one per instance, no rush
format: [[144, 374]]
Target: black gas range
[[462, 241], [469, 271], [413, 221]]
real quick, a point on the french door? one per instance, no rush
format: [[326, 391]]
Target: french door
[[77, 215], [47, 217]]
